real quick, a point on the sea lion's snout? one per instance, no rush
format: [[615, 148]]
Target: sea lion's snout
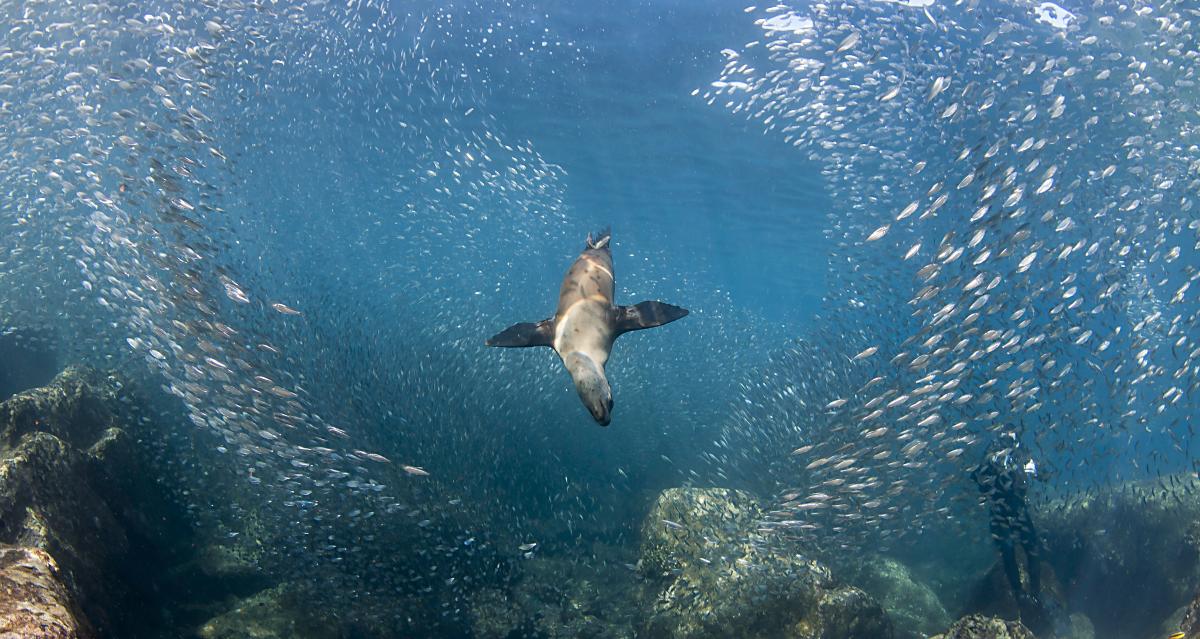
[[592, 386], [601, 406]]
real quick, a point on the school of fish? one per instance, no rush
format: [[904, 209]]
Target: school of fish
[[1028, 176], [1013, 242]]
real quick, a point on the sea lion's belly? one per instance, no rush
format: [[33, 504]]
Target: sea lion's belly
[[585, 326], [583, 319]]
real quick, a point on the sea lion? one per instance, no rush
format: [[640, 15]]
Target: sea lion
[[586, 323]]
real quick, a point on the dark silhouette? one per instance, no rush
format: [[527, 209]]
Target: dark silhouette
[[1003, 479]]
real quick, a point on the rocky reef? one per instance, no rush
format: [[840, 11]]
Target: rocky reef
[[1146, 534], [1185, 620], [277, 612], [1122, 562], [699, 571], [99, 535], [64, 530], [91, 543], [981, 627], [558, 598], [34, 601], [915, 610], [715, 578]]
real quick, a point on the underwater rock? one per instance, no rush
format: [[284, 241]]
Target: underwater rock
[[217, 571], [227, 564], [302, 609], [1077, 626], [76, 407], [558, 597], [494, 615], [1186, 620], [1140, 535], [274, 613], [993, 596], [843, 612], [34, 603], [670, 530], [912, 606], [70, 489], [718, 579], [981, 627], [48, 486]]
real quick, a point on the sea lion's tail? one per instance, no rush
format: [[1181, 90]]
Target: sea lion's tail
[[602, 239]]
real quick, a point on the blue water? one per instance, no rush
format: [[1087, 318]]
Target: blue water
[[640, 151], [296, 226], [706, 212]]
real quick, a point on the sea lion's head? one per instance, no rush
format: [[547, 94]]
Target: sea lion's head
[[592, 385]]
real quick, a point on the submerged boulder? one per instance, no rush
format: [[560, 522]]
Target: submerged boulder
[[1144, 536], [68, 484], [993, 596], [77, 406], [273, 613], [557, 597], [686, 524], [49, 502], [566, 598], [717, 578], [34, 603], [318, 609], [494, 614], [1076, 626], [981, 627], [1185, 620], [912, 606]]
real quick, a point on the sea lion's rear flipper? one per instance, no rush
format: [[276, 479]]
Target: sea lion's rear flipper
[[646, 315], [525, 334]]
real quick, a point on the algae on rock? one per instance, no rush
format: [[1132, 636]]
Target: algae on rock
[[912, 606], [719, 578], [554, 597], [72, 493], [48, 487], [494, 614], [1138, 533], [34, 603], [685, 525], [273, 613], [981, 627]]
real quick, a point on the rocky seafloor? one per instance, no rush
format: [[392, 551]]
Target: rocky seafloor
[[92, 545]]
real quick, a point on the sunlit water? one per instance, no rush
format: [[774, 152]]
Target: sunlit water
[[901, 229]]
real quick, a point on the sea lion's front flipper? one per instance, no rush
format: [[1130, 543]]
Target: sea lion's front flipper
[[646, 315], [525, 334]]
